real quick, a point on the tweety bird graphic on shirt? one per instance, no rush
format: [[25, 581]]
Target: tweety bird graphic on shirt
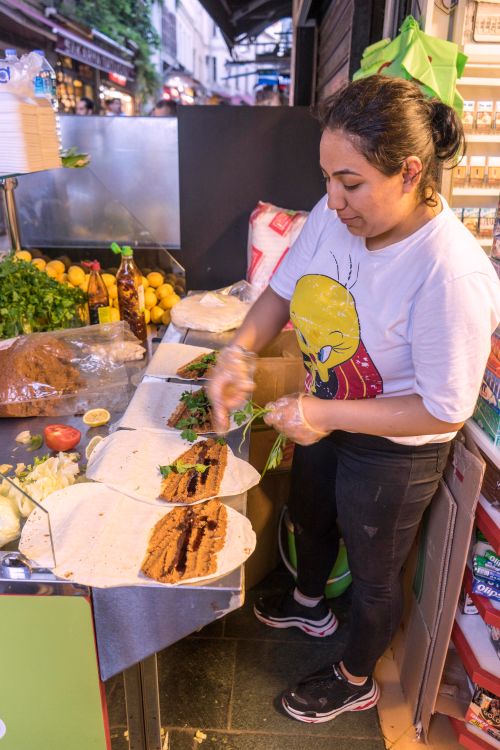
[[323, 313]]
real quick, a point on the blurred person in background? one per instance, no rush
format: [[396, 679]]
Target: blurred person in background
[[164, 108], [85, 106], [114, 108]]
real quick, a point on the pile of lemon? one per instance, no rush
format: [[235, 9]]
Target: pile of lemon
[[159, 295]]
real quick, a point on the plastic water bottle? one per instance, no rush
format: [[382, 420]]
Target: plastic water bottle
[[45, 82], [7, 66]]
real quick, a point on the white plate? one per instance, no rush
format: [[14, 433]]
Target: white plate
[[101, 537], [128, 461], [168, 358], [154, 402]]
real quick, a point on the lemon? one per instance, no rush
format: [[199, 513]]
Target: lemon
[[96, 417], [39, 263], [113, 291], [147, 316], [108, 279], [57, 266], [92, 444], [76, 275], [84, 286], [155, 279], [145, 283], [51, 271], [23, 255], [164, 290], [149, 299], [168, 302], [115, 314], [156, 314], [165, 318]]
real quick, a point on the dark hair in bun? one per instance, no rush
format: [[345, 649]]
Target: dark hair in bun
[[392, 120]]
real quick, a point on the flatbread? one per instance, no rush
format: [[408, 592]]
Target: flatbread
[[183, 412], [198, 368], [185, 542]]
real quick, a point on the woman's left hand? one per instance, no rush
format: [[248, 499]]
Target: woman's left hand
[[289, 415]]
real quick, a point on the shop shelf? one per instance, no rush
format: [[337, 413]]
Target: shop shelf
[[484, 443], [471, 737], [471, 639], [476, 191], [488, 520], [487, 608], [478, 81]]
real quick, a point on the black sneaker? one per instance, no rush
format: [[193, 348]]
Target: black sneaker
[[282, 611], [325, 694]]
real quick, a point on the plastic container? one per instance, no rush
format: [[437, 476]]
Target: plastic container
[[340, 577], [45, 82], [8, 65]]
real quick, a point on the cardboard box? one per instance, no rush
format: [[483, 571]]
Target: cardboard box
[[280, 369], [421, 645], [264, 505]]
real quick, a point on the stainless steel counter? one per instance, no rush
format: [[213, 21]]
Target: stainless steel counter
[[133, 623]]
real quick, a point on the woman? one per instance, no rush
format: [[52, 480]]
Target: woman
[[393, 302]]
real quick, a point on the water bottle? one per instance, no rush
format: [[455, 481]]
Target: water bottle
[[45, 82], [7, 66]]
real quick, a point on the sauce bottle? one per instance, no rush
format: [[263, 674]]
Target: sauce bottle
[[99, 309], [130, 292]]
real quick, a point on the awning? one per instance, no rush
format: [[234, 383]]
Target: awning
[[242, 18]]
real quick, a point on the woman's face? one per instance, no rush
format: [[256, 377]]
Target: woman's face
[[368, 202]]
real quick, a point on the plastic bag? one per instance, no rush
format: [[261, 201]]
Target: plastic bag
[[69, 371], [433, 63], [217, 311]]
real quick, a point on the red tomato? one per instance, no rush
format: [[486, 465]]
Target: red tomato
[[61, 437]]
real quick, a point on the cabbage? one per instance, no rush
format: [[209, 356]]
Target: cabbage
[[39, 481]]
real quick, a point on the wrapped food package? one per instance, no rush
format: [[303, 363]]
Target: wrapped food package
[[67, 372]]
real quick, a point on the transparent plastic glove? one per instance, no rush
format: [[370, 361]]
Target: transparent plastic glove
[[287, 416], [231, 383]]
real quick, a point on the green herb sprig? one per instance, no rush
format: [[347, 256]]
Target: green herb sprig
[[252, 412], [208, 360]]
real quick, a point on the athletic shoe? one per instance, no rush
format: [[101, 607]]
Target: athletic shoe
[[282, 611], [325, 694]]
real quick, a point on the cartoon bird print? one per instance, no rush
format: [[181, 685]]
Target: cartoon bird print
[[326, 322]]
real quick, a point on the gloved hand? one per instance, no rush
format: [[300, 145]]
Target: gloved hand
[[287, 416], [231, 383]]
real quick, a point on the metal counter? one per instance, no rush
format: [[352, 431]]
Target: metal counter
[[132, 623]]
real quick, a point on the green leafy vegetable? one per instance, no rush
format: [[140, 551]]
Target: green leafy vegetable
[[31, 301], [275, 454], [179, 467], [189, 435], [28, 469], [71, 157], [204, 363]]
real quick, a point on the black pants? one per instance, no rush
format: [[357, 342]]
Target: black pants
[[378, 491]]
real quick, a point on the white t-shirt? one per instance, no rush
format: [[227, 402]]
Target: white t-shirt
[[412, 317]]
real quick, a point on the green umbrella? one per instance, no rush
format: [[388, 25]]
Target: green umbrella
[[433, 63]]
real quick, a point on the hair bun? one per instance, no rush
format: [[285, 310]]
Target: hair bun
[[447, 131]]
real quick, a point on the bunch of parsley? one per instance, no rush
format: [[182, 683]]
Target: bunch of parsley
[[31, 301], [198, 406], [249, 414]]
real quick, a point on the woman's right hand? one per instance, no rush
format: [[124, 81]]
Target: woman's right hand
[[231, 384]]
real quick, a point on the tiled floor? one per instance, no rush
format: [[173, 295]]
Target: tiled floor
[[222, 683]]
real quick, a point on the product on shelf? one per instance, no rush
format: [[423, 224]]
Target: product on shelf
[[468, 116], [477, 171], [484, 116], [471, 220], [485, 589], [460, 173], [484, 712], [467, 606], [494, 170], [497, 116], [459, 212], [486, 222]]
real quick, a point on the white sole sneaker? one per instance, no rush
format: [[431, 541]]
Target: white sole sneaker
[[319, 629], [363, 703]]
